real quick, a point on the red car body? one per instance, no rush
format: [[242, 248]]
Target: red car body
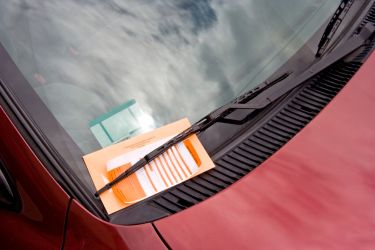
[[316, 192]]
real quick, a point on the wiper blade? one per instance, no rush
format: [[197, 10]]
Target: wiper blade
[[217, 115], [333, 25], [256, 99]]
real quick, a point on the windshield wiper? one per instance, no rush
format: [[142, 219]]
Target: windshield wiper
[[333, 25], [256, 99]]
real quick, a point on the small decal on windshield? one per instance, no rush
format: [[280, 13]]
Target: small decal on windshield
[[122, 122]]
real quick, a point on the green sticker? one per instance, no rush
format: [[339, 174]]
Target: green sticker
[[122, 122]]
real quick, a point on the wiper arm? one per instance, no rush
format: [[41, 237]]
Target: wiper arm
[[198, 127], [333, 25], [256, 99]]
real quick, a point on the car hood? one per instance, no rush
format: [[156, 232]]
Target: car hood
[[316, 192]]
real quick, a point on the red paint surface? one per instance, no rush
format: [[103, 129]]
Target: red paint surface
[[85, 231], [317, 192], [40, 223]]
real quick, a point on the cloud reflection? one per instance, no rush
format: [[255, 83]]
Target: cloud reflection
[[177, 59]]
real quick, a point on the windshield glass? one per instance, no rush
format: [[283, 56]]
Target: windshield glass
[[163, 59], [111, 69]]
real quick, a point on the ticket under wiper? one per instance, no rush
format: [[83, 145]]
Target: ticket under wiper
[[179, 163]]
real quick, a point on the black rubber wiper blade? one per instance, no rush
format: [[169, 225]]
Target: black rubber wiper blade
[[196, 128], [333, 25], [256, 99]]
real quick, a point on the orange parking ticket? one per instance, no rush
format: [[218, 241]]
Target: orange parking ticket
[[178, 164]]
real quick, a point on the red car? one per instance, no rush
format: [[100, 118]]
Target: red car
[[291, 135]]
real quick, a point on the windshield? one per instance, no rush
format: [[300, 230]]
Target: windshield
[[111, 69]]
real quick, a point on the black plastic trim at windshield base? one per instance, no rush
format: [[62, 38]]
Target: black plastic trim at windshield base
[[273, 129]]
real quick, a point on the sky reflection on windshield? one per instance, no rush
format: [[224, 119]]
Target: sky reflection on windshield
[[177, 59]]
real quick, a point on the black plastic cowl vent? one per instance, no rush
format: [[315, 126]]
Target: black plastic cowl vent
[[291, 116], [298, 110], [278, 130], [370, 17]]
